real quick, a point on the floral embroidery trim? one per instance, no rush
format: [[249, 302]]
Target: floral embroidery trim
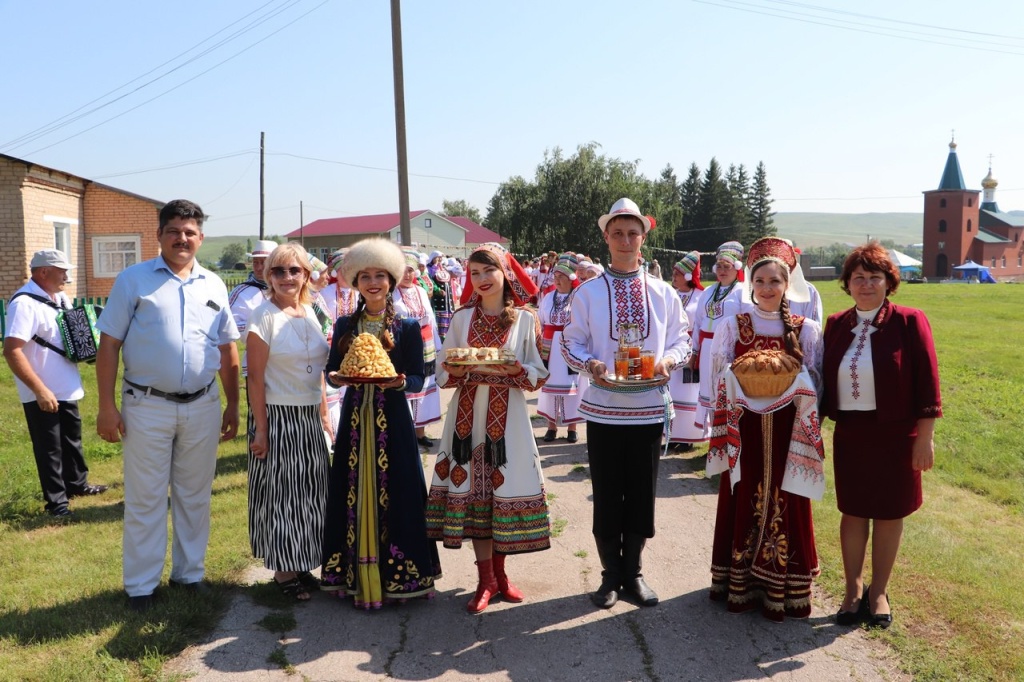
[[854, 374]]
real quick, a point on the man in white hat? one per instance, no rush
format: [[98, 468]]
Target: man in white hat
[[248, 295], [624, 423], [49, 385]]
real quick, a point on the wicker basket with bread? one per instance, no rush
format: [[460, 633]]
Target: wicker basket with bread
[[765, 373]]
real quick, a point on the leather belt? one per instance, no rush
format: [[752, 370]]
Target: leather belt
[[173, 397]]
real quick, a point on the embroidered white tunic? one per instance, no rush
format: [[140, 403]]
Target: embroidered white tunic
[[560, 397], [426, 404], [599, 306], [710, 312], [684, 395]]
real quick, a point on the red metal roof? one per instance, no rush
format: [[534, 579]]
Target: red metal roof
[[375, 224]]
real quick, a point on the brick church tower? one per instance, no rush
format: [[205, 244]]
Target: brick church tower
[[951, 222]]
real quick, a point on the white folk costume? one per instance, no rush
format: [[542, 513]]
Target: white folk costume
[[715, 304], [599, 306], [624, 425], [560, 397], [413, 303], [341, 301], [684, 385]]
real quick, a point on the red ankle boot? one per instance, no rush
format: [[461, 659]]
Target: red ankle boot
[[486, 587], [508, 591]]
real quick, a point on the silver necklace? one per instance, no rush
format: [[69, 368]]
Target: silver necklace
[[305, 340]]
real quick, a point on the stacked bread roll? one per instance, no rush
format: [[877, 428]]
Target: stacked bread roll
[[366, 359]]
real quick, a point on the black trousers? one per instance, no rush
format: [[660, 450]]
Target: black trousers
[[624, 473], [57, 444]]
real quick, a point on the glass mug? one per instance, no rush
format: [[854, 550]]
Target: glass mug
[[647, 364], [622, 363]]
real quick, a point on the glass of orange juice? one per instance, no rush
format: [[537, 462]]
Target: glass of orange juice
[[622, 363], [647, 364]]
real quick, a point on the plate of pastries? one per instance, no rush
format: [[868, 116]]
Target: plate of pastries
[[480, 356]]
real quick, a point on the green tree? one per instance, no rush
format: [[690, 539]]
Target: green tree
[[689, 202], [714, 210], [460, 208], [739, 202], [559, 208], [233, 253], [761, 222]]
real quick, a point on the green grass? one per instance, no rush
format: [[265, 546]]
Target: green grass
[[955, 592]]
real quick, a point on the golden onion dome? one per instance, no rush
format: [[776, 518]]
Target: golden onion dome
[[989, 182]]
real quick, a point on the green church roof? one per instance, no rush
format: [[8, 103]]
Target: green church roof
[[952, 178], [987, 237]]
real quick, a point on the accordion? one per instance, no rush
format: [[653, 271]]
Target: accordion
[[78, 331]]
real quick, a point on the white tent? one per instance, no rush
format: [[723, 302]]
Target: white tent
[[903, 261]]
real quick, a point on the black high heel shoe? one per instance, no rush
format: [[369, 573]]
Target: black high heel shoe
[[550, 435], [572, 437], [882, 621], [854, 617]]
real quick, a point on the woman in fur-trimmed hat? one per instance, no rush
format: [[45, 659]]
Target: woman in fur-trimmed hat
[[377, 493]]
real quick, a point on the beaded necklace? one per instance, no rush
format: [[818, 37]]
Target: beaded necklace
[[372, 323]]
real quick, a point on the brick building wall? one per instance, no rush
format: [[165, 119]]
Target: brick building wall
[[109, 213]]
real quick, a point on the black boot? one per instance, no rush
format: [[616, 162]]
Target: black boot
[[609, 550], [633, 584]]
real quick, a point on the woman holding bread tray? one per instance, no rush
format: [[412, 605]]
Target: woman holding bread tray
[[766, 443], [487, 484], [375, 544]]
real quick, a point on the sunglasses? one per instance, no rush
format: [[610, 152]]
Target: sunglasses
[[294, 271]]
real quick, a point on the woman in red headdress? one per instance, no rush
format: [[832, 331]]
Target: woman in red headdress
[[487, 484], [767, 447]]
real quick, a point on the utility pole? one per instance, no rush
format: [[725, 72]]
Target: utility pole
[[403, 163], [262, 138], [302, 241]]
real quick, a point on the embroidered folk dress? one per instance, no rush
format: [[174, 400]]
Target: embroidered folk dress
[[560, 397], [716, 304], [341, 301], [375, 543], [413, 303], [487, 480], [442, 298], [764, 552], [684, 384]]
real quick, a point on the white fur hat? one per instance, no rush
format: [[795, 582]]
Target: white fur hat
[[374, 252]]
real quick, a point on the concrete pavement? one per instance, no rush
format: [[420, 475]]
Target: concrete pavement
[[556, 634]]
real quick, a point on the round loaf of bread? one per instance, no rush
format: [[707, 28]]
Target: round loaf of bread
[[765, 373]]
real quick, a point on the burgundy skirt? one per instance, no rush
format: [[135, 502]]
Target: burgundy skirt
[[875, 478]]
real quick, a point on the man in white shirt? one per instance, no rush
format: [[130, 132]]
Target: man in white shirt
[[168, 319], [624, 424], [49, 385]]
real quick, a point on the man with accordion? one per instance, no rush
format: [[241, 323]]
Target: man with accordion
[[49, 385]]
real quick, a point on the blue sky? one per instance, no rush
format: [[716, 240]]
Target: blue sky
[[845, 120]]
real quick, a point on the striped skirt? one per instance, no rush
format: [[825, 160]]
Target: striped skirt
[[288, 489]]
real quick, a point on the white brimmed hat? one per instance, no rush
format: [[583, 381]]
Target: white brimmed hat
[[624, 207], [262, 248]]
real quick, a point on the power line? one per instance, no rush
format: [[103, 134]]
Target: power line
[[180, 164], [186, 82], [61, 122], [829, 22]]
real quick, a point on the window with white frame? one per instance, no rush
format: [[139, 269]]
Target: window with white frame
[[111, 255], [62, 239]]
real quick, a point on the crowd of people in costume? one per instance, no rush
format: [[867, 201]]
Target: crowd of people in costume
[[335, 476]]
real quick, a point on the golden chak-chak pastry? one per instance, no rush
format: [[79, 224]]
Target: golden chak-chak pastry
[[367, 359], [765, 373]]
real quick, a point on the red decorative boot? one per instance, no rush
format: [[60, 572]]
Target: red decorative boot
[[508, 591], [486, 587]]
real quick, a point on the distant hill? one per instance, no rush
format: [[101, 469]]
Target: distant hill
[[809, 230]]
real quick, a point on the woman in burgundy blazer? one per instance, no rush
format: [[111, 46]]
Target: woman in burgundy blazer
[[882, 389]]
